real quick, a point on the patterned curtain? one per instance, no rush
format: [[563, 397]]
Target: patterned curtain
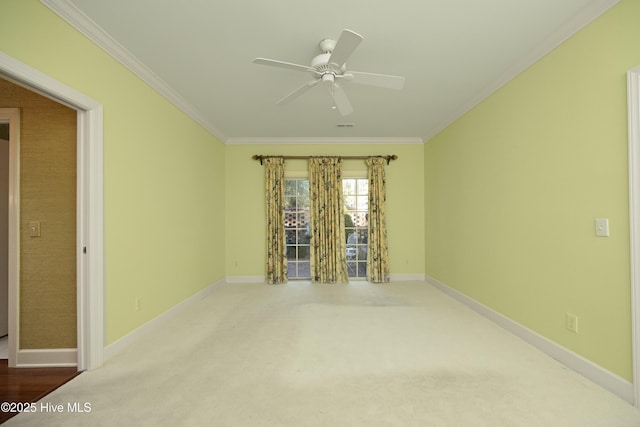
[[274, 189], [328, 242], [378, 259]]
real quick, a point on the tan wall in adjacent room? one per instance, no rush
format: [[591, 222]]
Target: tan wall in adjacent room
[[48, 195]]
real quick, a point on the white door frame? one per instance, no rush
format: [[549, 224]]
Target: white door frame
[[12, 116], [90, 205], [633, 100]]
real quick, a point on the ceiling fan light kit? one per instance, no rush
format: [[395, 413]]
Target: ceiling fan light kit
[[330, 67]]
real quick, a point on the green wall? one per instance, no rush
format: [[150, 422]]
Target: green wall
[[514, 186], [163, 173], [246, 226]]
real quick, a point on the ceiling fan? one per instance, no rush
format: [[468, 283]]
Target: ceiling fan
[[330, 68]]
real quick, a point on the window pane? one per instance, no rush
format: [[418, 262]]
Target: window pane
[[362, 252], [349, 186], [352, 269], [290, 235], [363, 203], [303, 253], [303, 188], [289, 187], [300, 220], [291, 252], [348, 221], [291, 270], [289, 220], [350, 202], [362, 269], [303, 237], [290, 202], [304, 270], [360, 219], [363, 186]]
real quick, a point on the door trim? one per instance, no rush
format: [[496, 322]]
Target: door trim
[[90, 204], [633, 100], [12, 116]]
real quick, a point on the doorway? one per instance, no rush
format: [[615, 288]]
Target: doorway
[[90, 211], [9, 245], [42, 190]]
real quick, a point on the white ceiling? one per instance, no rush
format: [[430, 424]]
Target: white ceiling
[[453, 53]]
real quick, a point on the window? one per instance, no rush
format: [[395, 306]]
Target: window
[[296, 225], [356, 202], [298, 233]]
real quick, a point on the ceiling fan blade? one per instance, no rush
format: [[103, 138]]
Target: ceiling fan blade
[[345, 46], [340, 100], [296, 93], [282, 64], [379, 80]]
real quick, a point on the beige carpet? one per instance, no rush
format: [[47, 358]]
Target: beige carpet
[[400, 354]]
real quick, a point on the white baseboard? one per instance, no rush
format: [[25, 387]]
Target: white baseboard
[[117, 346], [407, 277], [597, 374], [47, 358], [245, 279], [260, 279]]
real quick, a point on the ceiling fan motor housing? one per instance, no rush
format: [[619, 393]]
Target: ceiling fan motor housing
[[324, 68]]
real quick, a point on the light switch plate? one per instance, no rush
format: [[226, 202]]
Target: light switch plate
[[34, 228], [602, 227]]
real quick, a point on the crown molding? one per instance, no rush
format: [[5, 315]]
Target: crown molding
[[563, 33], [324, 140], [86, 26]]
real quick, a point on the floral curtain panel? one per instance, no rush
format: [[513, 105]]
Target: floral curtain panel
[[328, 242], [378, 259], [276, 266]]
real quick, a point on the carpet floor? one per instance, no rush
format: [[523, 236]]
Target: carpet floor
[[399, 354]]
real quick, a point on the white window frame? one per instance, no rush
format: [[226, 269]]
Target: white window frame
[[296, 261], [359, 249]]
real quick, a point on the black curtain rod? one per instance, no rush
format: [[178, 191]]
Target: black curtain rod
[[387, 158]]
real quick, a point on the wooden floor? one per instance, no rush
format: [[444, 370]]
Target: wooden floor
[[29, 384]]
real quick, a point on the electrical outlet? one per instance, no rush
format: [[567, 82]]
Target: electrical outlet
[[572, 322], [138, 305]]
